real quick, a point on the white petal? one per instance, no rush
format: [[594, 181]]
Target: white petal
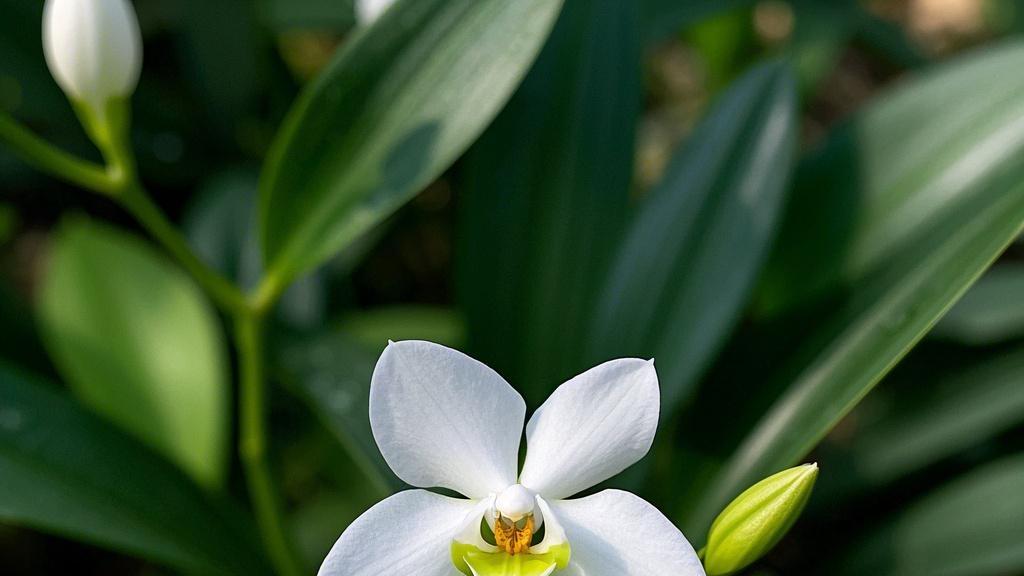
[[593, 427], [367, 11], [443, 419], [469, 532], [554, 533], [408, 533], [615, 533]]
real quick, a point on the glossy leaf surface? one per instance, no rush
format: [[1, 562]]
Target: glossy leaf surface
[[137, 341], [401, 101]]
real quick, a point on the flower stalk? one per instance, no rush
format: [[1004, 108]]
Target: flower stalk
[[99, 89], [252, 443]]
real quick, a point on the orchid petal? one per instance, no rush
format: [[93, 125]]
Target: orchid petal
[[554, 533], [440, 418], [408, 533], [591, 428], [615, 533]]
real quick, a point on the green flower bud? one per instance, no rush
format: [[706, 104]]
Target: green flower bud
[[757, 519]]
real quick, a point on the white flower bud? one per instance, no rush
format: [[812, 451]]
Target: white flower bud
[[367, 11], [93, 49]]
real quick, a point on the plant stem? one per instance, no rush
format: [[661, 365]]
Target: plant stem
[[252, 444], [118, 180], [52, 160], [134, 199]]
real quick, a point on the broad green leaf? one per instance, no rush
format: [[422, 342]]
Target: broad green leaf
[[689, 261], [402, 100], [991, 312], [137, 342], [922, 207], [331, 373], [965, 409], [545, 195], [63, 470], [662, 18], [973, 526]]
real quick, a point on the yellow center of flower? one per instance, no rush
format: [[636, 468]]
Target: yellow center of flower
[[513, 536]]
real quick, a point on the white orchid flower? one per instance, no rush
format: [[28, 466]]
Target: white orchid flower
[[367, 11], [445, 420]]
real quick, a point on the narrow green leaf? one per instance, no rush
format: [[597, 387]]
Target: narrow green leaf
[[991, 312], [137, 342], [544, 197], [399, 104], [690, 259], [973, 526], [965, 409], [924, 211], [877, 167], [331, 373], [65, 471]]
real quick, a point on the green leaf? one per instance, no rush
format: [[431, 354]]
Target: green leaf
[[966, 408], [137, 342], [403, 99], [894, 174], [922, 208], [545, 195], [991, 312], [331, 373], [691, 257], [65, 471], [662, 18], [970, 527]]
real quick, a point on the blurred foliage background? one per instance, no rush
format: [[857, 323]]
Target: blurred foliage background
[[660, 185]]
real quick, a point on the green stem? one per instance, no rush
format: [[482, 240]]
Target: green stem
[[134, 199], [252, 444], [50, 159], [118, 180]]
